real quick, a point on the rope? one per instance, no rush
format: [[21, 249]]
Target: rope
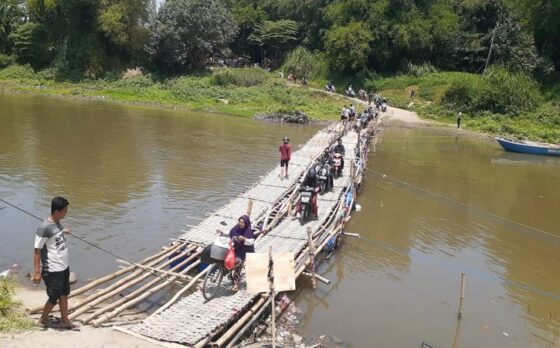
[[481, 275], [84, 240], [551, 236]]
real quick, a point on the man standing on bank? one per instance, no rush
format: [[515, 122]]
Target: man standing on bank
[[459, 117], [51, 252], [285, 155]]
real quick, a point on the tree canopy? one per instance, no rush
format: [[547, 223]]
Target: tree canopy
[[95, 36]]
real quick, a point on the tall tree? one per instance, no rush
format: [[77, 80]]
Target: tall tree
[[124, 24], [347, 47], [12, 14], [275, 36], [187, 32]]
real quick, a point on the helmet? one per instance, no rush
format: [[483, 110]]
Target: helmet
[[285, 139], [312, 172]]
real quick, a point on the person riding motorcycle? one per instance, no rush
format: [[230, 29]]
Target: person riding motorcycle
[[330, 87], [339, 149], [350, 91], [309, 181]]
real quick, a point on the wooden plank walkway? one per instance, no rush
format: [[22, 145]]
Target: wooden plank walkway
[[192, 320]]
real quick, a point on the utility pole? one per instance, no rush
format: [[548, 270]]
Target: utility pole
[[492, 43]]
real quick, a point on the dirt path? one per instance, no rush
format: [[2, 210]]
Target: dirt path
[[83, 336]]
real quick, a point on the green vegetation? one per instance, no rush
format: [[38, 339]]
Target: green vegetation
[[11, 318], [501, 57], [240, 92], [518, 109]]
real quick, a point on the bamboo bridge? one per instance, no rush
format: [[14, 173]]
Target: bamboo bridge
[[187, 318]]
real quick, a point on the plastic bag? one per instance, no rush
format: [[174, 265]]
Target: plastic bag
[[229, 261]]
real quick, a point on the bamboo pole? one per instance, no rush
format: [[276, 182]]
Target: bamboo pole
[[249, 207], [156, 270], [317, 276], [461, 299], [150, 283], [95, 283], [133, 298], [311, 258], [272, 295], [261, 303], [180, 292], [124, 284]]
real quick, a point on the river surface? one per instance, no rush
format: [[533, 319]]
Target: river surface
[[447, 204]]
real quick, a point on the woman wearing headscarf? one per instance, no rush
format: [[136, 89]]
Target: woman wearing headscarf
[[243, 242]]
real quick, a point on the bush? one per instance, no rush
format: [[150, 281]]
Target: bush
[[420, 70], [10, 317], [18, 73], [243, 77], [303, 63], [48, 74], [497, 91], [6, 60], [136, 82]]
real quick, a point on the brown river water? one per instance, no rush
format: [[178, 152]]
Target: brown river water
[[448, 203]]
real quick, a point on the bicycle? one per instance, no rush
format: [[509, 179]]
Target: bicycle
[[215, 255]]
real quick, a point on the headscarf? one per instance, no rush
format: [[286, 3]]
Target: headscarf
[[247, 232]]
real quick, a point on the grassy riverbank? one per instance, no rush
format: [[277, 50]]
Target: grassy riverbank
[[497, 103], [239, 92], [11, 316]]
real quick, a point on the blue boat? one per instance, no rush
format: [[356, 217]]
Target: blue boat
[[530, 147]]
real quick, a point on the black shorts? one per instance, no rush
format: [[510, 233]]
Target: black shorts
[[284, 163], [58, 284]]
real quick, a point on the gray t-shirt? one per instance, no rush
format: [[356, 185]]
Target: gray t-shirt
[[54, 249]]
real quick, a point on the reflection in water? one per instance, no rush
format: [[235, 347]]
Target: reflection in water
[[133, 175], [402, 279]]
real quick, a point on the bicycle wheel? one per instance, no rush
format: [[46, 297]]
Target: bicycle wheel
[[213, 281]]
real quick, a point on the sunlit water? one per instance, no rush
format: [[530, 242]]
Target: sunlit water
[[448, 204], [444, 207]]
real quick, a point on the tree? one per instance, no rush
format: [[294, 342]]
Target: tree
[[12, 14], [30, 44], [187, 32], [347, 47], [303, 63], [275, 35], [515, 48], [123, 23]]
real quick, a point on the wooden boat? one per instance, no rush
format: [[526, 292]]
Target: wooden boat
[[530, 147]]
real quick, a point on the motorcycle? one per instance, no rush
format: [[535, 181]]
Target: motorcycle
[[350, 93], [330, 88], [324, 178], [337, 165], [305, 197]]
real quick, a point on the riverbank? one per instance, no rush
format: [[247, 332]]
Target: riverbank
[[237, 92], [83, 336], [429, 99]]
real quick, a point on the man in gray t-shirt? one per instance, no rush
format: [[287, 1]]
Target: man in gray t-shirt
[[50, 261]]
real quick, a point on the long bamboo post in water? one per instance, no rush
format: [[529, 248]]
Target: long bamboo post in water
[[461, 299], [97, 282], [144, 287], [123, 284], [311, 258], [135, 297]]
